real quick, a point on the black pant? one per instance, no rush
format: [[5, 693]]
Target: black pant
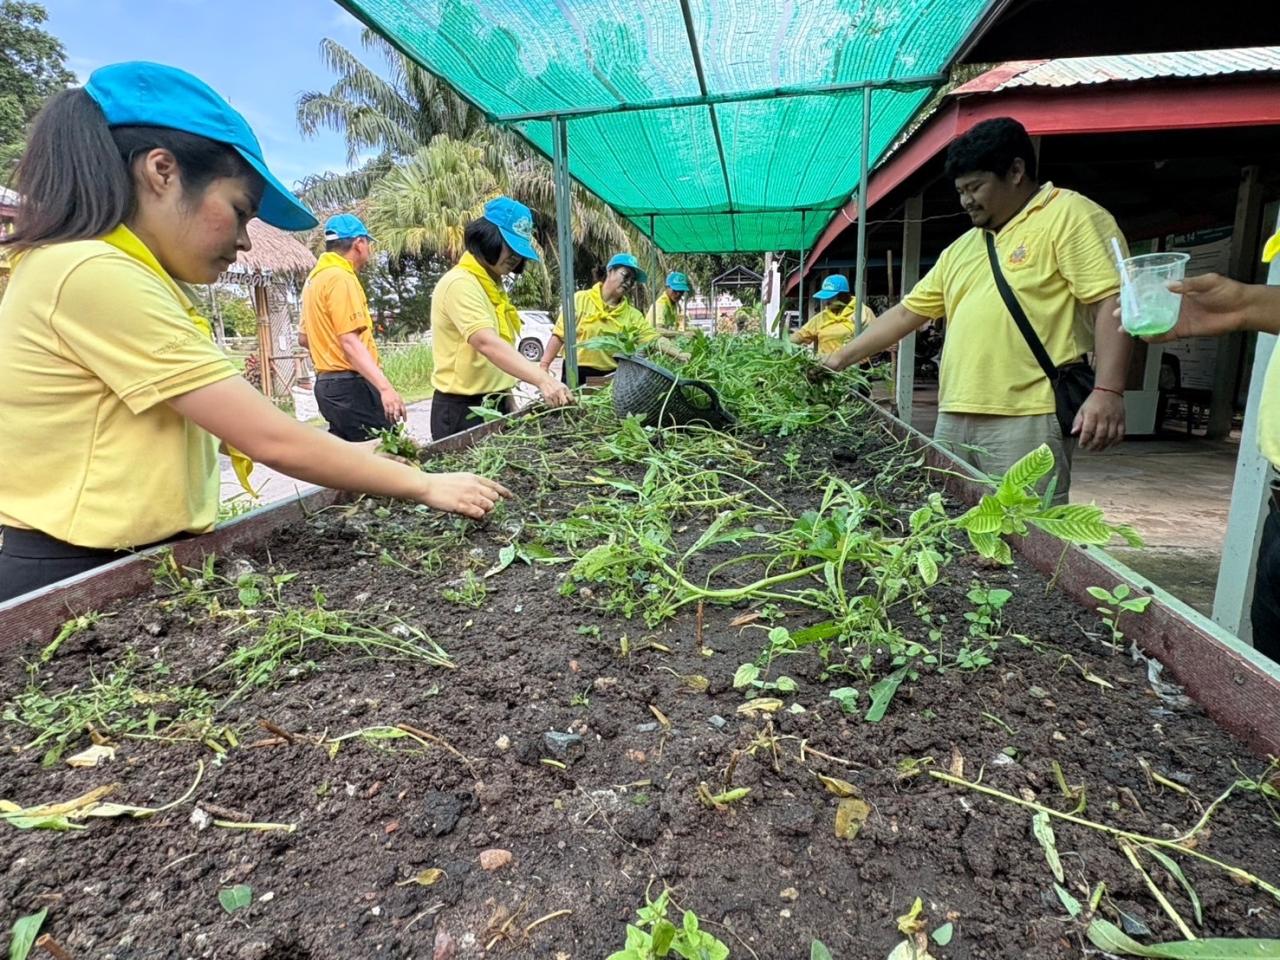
[[351, 405], [452, 412], [1264, 611], [584, 373], [30, 560]]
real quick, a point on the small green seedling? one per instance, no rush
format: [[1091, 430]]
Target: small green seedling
[[747, 678], [984, 619], [235, 898], [1119, 602], [470, 592], [653, 936]]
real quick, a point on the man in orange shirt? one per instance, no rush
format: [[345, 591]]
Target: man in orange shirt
[[353, 393]]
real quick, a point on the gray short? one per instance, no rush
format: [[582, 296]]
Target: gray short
[[993, 444]]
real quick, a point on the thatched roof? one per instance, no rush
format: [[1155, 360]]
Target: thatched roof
[[273, 252]]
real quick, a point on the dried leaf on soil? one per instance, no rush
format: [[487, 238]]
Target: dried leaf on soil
[[425, 879], [762, 705], [92, 756], [841, 788], [912, 922], [851, 814]]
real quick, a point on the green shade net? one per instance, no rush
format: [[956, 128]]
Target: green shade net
[[756, 155]]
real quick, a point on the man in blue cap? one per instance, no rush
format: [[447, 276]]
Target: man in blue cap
[[664, 315], [353, 393], [833, 327]]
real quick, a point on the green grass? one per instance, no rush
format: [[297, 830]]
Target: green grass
[[409, 370]]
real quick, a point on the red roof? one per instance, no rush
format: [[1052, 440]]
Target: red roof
[[1081, 107]]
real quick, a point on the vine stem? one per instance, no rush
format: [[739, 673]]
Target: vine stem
[[1137, 838]]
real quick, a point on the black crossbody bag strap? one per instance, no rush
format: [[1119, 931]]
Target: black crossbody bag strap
[[1019, 315]]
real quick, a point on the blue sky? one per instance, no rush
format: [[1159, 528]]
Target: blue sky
[[259, 54]]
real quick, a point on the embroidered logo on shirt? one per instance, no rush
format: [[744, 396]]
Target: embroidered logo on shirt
[[1019, 254]]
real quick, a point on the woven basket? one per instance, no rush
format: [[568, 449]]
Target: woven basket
[[661, 399]]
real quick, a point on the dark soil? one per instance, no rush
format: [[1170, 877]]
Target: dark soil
[[622, 816]]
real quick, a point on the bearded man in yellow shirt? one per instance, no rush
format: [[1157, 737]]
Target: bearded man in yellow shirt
[[1051, 250], [833, 327], [353, 393]]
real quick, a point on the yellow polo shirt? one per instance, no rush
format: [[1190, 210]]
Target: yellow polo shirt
[[459, 309], [92, 344], [592, 323], [333, 303], [1056, 255], [665, 315], [832, 329]]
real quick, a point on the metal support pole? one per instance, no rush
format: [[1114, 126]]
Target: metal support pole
[[906, 379], [1249, 502], [564, 237], [800, 302], [860, 281]]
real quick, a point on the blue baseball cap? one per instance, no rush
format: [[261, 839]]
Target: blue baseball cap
[[515, 220], [346, 226], [831, 286], [678, 281], [627, 260], [144, 94]]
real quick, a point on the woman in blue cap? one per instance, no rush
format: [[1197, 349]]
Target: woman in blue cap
[[664, 315], [832, 327], [604, 310], [474, 325], [115, 394]]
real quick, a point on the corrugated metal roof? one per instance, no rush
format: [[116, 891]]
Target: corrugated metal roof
[[1080, 71]]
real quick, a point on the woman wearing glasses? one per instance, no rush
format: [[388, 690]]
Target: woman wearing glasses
[[605, 309]]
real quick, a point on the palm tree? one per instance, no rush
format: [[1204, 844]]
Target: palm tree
[[437, 161]]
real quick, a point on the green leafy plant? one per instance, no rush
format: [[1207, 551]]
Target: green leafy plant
[[1015, 506], [984, 618], [653, 936], [1118, 602], [470, 592], [396, 441]]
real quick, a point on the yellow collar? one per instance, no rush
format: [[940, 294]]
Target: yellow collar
[[126, 241], [331, 261]]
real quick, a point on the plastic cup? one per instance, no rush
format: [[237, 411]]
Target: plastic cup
[[1147, 306]]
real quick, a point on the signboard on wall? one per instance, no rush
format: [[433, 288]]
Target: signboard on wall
[[1210, 253]]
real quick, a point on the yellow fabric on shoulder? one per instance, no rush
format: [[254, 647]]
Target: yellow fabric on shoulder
[[509, 322], [598, 319], [1057, 258], [832, 329], [460, 308], [333, 303], [665, 315], [93, 341]]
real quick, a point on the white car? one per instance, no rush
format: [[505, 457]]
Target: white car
[[535, 331]]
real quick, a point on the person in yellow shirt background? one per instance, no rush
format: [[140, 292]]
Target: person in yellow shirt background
[[115, 395], [664, 313], [352, 392], [474, 325], [602, 310], [1052, 247], [833, 327]]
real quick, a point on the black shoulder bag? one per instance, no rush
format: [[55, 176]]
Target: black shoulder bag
[[1072, 382]]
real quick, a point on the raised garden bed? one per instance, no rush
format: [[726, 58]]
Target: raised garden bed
[[379, 696]]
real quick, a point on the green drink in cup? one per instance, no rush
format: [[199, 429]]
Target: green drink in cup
[[1147, 306]]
